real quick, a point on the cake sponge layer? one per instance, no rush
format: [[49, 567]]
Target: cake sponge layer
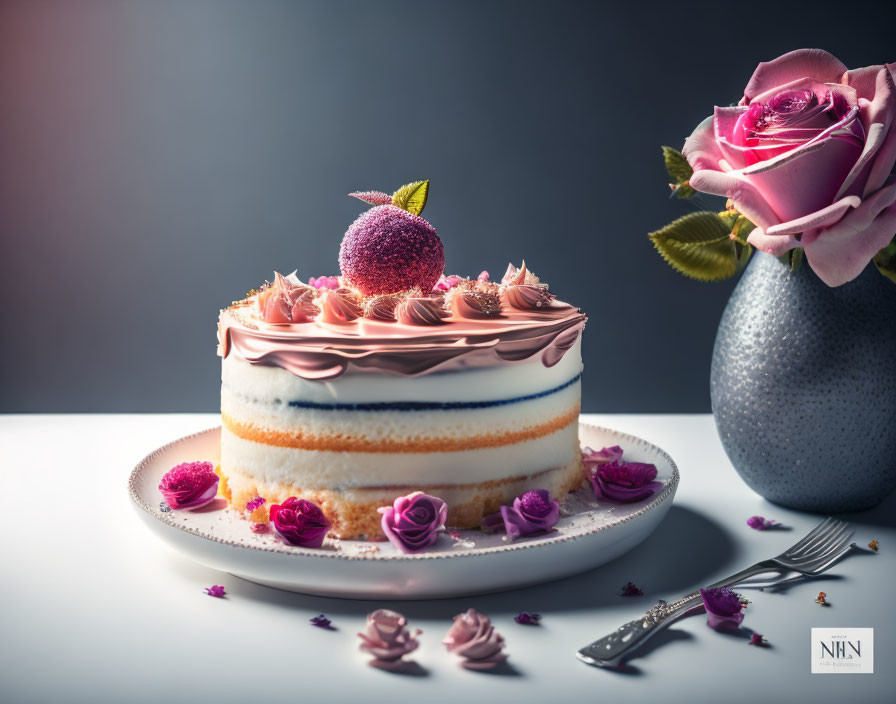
[[353, 511]]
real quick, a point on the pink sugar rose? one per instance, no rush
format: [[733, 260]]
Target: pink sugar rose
[[808, 157], [189, 485], [414, 522], [387, 637], [474, 639], [300, 522]]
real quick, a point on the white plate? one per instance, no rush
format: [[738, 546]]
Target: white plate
[[588, 534]]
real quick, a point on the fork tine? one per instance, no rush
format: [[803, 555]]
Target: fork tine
[[822, 544], [820, 529], [809, 536], [818, 569], [822, 552]]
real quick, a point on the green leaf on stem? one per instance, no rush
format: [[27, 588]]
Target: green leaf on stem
[[699, 245], [679, 171]]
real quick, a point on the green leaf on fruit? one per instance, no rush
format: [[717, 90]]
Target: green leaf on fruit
[[679, 171], [885, 261], [412, 197], [699, 245]]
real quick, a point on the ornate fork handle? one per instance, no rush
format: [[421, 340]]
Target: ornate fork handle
[[610, 650]]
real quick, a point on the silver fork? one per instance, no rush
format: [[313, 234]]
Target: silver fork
[[814, 554]]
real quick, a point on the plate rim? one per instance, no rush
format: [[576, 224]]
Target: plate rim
[[299, 552]]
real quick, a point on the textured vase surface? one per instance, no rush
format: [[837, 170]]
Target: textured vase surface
[[803, 386]]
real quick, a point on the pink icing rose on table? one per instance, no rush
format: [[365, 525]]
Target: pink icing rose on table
[[533, 512], [189, 485], [387, 637], [300, 522], [474, 639], [413, 522], [808, 157]]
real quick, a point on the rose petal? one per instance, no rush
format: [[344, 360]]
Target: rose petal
[[841, 252], [821, 218], [813, 63]]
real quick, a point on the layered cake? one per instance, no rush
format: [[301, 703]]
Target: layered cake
[[351, 391]]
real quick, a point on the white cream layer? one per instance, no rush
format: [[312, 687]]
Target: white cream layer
[[315, 469]]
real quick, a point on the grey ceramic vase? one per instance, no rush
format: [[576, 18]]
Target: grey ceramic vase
[[803, 386]]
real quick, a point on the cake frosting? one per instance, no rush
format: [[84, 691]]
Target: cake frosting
[[468, 390]]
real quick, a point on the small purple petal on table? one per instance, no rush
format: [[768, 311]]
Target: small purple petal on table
[[760, 523], [630, 589], [320, 621], [527, 618], [757, 639], [216, 590]]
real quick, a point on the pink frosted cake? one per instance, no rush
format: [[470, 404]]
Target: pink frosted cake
[[391, 378]]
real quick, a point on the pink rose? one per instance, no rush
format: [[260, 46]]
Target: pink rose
[[387, 637], [189, 485], [808, 157], [413, 522], [474, 639], [300, 522]]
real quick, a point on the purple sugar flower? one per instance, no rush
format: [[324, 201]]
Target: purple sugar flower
[[189, 485], [320, 621], [300, 522], [624, 482], [760, 523], [527, 618], [533, 512], [413, 522], [216, 590], [723, 607]]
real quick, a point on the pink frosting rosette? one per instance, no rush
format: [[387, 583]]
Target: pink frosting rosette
[[413, 522], [808, 156], [299, 522], [189, 485], [286, 301], [474, 639], [387, 637]]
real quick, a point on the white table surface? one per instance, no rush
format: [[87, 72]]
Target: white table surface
[[95, 609]]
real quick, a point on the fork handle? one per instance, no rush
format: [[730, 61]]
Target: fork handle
[[613, 648]]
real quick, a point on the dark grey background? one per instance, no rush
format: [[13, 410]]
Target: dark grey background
[[158, 159]]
